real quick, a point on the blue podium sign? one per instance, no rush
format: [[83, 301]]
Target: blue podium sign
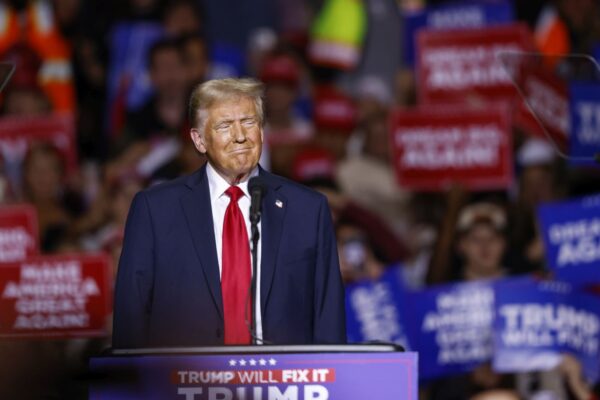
[[258, 375]]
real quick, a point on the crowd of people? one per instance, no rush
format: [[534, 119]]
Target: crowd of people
[[123, 70]]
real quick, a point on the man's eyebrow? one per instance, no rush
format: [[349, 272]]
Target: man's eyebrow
[[228, 120], [224, 121]]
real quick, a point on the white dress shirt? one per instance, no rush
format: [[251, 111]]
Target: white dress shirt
[[219, 201]]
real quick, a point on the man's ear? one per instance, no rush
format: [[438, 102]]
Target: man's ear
[[198, 139]]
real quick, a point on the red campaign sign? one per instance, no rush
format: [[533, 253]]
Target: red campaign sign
[[18, 232], [62, 296], [458, 65], [17, 134], [435, 147], [547, 96]]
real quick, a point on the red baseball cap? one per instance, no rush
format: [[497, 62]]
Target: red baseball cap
[[334, 110], [313, 163], [280, 68]]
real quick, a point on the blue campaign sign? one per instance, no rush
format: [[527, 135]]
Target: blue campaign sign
[[537, 322], [584, 103], [129, 45], [469, 14], [571, 233], [226, 61], [450, 327], [374, 310]]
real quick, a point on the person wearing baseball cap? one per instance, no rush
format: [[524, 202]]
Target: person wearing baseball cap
[[281, 75], [481, 241], [285, 129], [334, 117]]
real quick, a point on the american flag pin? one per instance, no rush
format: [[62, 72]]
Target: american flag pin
[[279, 203]]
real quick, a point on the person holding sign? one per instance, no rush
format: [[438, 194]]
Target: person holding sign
[[185, 271]]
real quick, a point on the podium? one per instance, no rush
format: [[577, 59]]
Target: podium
[[319, 372]]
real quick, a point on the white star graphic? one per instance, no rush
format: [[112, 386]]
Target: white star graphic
[[262, 361], [272, 361], [253, 362], [232, 363], [242, 362]]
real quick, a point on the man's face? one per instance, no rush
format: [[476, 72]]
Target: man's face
[[43, 175], [196, 60], [167, 72], [231, 138]]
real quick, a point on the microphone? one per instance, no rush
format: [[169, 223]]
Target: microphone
[[257, 188]]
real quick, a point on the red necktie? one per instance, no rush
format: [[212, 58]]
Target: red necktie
[[236, 270]]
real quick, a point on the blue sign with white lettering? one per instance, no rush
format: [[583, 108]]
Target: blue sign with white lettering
[[584, 140], [538, 322], [571, 233], [450, 327], [128, 69], [473, 14], [374, 310]]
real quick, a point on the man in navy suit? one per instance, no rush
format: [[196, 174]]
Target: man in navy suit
[[185, 267]]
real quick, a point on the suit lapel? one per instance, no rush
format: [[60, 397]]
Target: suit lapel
[[197, 208], [273, 213]]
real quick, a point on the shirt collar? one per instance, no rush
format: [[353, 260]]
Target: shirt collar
[[218, 185]]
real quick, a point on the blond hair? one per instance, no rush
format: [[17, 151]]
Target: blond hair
[[206, 94]]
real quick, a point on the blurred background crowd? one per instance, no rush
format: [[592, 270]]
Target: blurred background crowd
[[120, 72]]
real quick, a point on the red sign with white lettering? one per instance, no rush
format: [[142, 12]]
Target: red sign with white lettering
[[435, 147], [18, 232], [17, 134], [544, 109], [60, 296], [464, 65]]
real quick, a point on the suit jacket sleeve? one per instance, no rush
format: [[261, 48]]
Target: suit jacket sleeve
[[330, 314], [133, 290]]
